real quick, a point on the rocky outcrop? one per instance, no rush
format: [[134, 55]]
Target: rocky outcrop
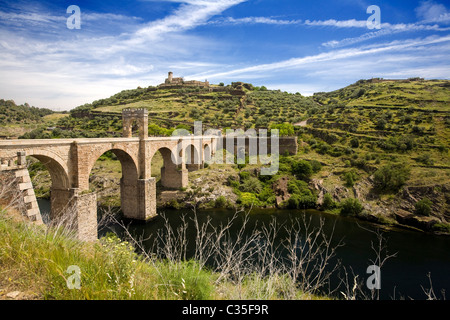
[[280, 188]]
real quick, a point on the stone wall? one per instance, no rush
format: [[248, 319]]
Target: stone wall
[[287, 145]]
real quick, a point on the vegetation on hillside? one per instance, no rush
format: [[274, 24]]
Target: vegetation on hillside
[[384, 143]]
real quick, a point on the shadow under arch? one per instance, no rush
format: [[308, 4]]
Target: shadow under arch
[[60, 183], [207, 153], [192, 157], [173, 174], [129, 192]]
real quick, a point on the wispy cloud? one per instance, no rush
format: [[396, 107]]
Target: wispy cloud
[[189, 15], [430, 11], [254, 20], [297, 63], [110, 52]]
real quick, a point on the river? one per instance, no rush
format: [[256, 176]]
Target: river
[[403, 276]]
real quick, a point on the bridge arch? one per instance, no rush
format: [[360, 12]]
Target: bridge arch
[[128, 182], [59, 172], [207, 153], [128, 161], [173, 172], [193, 157]]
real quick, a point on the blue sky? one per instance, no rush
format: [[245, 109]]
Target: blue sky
[[292, 45]]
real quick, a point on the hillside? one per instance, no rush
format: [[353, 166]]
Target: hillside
[[15, 119], [382, 142]]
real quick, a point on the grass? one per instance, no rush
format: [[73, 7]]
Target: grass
[[36, 260]]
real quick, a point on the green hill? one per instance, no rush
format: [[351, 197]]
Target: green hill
[[383, 142]]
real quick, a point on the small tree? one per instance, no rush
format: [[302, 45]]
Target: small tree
[[351, 207], [302, 169], [391, 177], [423, 207], [328, 202], [354, 143], [350, 178]]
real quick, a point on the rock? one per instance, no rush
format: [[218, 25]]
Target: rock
[[280, 188], [317, 184], [13, 294], [403, 216]]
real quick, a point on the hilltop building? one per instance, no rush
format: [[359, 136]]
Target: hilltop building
[[179, 82]]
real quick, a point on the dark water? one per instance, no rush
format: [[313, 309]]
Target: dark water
[[418, 254]]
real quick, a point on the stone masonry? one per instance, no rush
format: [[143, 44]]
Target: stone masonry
[[70, 161]]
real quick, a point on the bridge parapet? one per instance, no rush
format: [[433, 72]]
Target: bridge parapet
[[138, 115], [13, 162]]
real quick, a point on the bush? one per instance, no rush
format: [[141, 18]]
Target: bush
[[285, 129], [423, 207], [221, 202], [351, 207], [302, 169], [354, 143], [391, 177], [316, 166], [328, 202], [252, 185], [350, 177], [267, 195], [305, 201]]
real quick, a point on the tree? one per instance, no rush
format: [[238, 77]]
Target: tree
[[302, 169], [391, 177], [423, 207], [354, 143], [328, 202], [285, 129], [351, 207], [381, 124], [350, 178]]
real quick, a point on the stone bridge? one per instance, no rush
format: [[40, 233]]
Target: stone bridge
[[70, 161]]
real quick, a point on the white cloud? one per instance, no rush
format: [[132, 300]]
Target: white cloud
[[315, 61], [191, 14], [66, 69], [254, 20], [338, 24], [430, 11]]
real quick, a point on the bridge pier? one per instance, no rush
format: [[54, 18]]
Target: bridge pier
[[173, 177], [75, 210], [139, 199]]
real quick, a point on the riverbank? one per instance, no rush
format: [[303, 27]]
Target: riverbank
[[39, 262]]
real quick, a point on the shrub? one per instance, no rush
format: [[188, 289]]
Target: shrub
[[220, 202], [244, 175], [285, 129], [328, 202], [350, 177], [267, 195], [354, 143], [316, 166], [296, 186], [248, 199], [302, 169], [391, 177], [423, 207], [252, 185], [351, 207], [304, 201]]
